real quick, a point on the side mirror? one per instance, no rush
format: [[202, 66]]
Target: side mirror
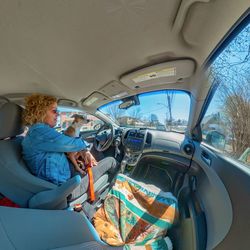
[[245, 157], [216, 139]]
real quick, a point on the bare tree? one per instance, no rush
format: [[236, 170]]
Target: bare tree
[[231, 72], [136, 114], [115, 112], [237, 109]]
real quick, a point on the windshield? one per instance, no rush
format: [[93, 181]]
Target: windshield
[[165, 110]]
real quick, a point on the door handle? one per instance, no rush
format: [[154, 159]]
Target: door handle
[[206, 158]]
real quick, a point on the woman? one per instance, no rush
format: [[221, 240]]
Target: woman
[[44, 148]]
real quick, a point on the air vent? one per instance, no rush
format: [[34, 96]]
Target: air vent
[[149, 138], [126, 135], [188, 149]]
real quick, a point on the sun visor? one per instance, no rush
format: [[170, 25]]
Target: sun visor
[[66, 102], [115, 90], [96, 99], [164, 73]]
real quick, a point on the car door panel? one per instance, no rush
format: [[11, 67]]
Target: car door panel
[[225, 195]]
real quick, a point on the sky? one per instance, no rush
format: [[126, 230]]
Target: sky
[[156, 103], [232, 66]]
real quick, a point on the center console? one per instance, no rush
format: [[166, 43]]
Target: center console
[[134, 142]]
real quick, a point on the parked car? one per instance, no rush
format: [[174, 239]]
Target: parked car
[[161, 127], [216, 139], [117, 61]]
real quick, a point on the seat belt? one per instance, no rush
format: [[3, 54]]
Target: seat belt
[[91, 183]]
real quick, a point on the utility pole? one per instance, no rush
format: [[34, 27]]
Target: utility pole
[[170, 109]]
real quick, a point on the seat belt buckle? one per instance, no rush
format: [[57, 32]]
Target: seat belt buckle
[[78, 207]]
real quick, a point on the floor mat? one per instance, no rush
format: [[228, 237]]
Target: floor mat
[[152, 174]]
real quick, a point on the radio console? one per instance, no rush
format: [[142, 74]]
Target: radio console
[[135, 140]]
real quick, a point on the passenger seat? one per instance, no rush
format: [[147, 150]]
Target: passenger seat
[[29, 229]]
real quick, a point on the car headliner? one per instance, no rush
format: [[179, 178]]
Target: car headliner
[[73, 48]]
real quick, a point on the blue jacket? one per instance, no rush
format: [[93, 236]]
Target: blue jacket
[[44, 152]]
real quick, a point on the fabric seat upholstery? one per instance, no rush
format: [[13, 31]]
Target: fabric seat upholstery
[[28, 229]]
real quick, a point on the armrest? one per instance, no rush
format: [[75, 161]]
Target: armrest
[[55, 198]]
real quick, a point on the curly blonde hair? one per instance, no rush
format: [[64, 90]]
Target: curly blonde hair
[[36, 107]]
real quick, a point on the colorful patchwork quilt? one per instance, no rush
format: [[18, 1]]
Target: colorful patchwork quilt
[[135, 215]]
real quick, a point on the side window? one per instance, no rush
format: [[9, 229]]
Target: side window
[[226, 124], [65, 119], [94, 123]]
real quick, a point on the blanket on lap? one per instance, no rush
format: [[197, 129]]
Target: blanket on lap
[[135, 215]]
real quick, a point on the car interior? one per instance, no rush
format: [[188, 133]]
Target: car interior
[[141, 70]]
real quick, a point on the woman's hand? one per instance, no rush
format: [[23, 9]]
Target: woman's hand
[[89, 158], [82, 172], [71, 156]]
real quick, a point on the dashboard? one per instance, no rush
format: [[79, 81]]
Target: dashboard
[[140, 141], [135, 140]]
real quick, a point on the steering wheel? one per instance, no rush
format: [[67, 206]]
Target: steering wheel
[[104, 137]]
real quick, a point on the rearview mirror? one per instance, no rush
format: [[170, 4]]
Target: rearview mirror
[[129, 102]]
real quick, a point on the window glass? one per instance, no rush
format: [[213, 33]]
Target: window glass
[[226, 124], [65, 119], [164, 110]]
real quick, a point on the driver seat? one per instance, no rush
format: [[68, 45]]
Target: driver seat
[[16, 181]]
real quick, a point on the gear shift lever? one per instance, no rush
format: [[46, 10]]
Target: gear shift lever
[[123, 165], [125, 160], [117, 142]]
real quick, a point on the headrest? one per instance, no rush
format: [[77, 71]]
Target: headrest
[[10, 120]]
